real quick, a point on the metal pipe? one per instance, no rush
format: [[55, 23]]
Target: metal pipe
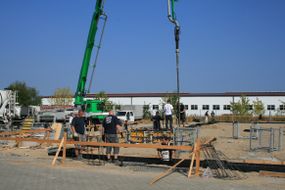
[[271, 140], [172, 19], [105, 17], [280, 139], [170, 15]]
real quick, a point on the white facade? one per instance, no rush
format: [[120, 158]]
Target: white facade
[[198, 105]]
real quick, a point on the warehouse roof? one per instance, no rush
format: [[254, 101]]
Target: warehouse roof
[[185, 94]]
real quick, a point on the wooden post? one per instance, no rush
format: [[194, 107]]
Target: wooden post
[[197, 172], [191, 165], [196, 153], [57, 153], [47, 137], [64, 146]]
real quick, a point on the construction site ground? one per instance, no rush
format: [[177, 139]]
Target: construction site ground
[[30, 168], [31, 172]]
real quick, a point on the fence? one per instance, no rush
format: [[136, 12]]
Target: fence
[[269, 139]]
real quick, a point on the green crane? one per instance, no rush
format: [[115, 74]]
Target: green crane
[[95, 106], [90, 106]]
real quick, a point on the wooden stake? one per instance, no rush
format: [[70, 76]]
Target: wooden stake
[[64, 147], [166, 172], [48, 135], [57, 153], [195, 152], [191, 165], [197, 172]]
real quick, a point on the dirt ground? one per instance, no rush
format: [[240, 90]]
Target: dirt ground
[[234, 149], [239, 148]]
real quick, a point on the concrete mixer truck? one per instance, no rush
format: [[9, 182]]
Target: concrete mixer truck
[[7, 106]]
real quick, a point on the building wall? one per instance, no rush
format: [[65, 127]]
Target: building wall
[[199, 101]]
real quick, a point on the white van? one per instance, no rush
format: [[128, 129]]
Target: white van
[[126, 115]]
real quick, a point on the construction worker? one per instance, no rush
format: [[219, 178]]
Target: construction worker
[[156, 121], [168, 114], [111, 128], [78, 130]]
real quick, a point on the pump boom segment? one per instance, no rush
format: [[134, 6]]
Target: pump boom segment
[[80, 92]]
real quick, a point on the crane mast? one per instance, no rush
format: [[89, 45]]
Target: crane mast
[[80, 91]]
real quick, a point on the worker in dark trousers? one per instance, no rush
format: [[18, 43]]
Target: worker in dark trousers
[[156, 121], [78, 130], [182, 114], [111, 128]]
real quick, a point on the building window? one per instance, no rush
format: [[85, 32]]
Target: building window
[[270, 107], [282, 107], [250, 107], [194, 107], [205, 107], [155, 107], [216, 107], [227, 107], [186, 107]]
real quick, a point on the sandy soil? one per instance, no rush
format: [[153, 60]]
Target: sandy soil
[[236, 149], [239, 148]]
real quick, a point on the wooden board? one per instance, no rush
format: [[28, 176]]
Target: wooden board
[[272, 174], [57, 127], [122, 145], [23, 132], [57, 152], [166, 172]]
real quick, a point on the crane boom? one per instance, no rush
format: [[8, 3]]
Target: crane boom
[[80, 92]]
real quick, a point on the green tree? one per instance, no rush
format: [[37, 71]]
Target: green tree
[[106, 103], [26, 95], [241, 107], [258, 107], [146, 113], [62, 97]]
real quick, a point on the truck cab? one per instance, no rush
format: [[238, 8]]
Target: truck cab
[[126, 115]]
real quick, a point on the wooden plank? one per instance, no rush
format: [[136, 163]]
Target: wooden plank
[[124, 145], [57, 153], [57, 127], [103, 144], [64, 147], [210, 141], [197, 172], [263, 162], [22, 132], [191, 165], [166, 172], [29, 139], [272, 174]]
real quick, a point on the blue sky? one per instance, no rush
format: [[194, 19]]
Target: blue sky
[[226, 45]]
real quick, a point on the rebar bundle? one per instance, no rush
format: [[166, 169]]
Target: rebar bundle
[[219, 165]]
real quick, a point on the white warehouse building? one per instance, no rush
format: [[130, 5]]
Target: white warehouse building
[[198, 103]]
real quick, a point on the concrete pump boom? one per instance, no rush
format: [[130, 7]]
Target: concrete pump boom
[[80, 92]]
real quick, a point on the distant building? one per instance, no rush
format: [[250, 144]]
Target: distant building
[[198, 103]]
